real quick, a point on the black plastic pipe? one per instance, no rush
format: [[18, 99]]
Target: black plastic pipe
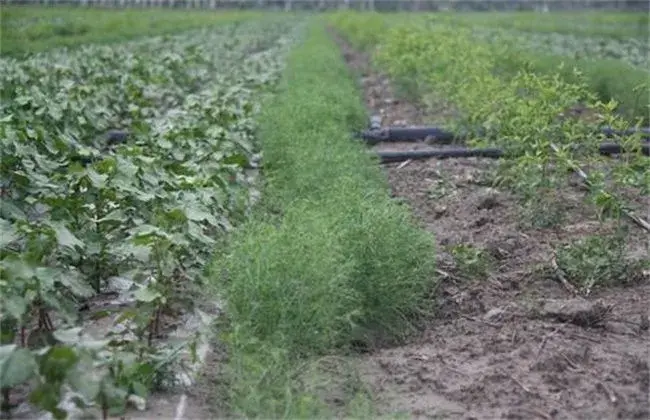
[[440, 136], [610, 132], [114, 137], [409, 134], [387, 157], [615, 149], [492, 153]]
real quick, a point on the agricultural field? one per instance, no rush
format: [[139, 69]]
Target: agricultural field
[[30, 29], [122, 166], [632, 51], [617, 25], [526, 245], [237, 214], [609, 49]]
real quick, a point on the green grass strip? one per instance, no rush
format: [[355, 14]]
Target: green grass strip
[[329, 262]]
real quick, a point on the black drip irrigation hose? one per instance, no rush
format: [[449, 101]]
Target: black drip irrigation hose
[[388, 157], [616, 149], [610, 132], [376, 134], [409, 134], [493, 153]]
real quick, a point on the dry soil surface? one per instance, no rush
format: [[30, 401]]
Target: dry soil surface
[[509, 342]]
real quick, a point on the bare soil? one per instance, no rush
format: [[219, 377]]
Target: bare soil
[[509, 341]]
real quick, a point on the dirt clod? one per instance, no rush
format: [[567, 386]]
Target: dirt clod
[[488, 200], [576, 311]]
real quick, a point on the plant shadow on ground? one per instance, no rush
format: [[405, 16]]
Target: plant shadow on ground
[[512, 342]]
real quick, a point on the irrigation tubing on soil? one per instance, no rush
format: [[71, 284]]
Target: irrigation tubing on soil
[[441, 136], [494, 153], [387, 157]]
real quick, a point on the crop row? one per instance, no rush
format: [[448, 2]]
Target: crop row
[[632, 51], [145, 205], [527, 114], [607, 78], [26, 29], [615, 25]]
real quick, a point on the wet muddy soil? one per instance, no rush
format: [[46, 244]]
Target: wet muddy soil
[[510, 340]]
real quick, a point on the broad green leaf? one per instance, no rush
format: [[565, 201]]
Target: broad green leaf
[[8, 233], [16, 306], [198, 215], [97, 180], [47, 397], [17, 268], [70, 336], [146, 294], [76, 284], [85, 379], [140, 253], [140, 390], [238, 159], [9, 209], [116, 216], [17, 365], [64, 237], [57, 361]]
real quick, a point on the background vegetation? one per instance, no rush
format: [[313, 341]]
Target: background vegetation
[[25, 29]]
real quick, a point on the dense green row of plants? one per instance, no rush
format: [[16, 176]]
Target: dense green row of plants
[[28, 29], [80, 210], [610, 79], [526, 113], [613, 69], [630, 51], [329, 263], [614, 25]]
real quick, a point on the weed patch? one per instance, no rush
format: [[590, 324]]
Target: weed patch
[[472, 262], [597, 261]]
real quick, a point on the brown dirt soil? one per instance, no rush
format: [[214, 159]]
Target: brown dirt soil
[[510, 341]]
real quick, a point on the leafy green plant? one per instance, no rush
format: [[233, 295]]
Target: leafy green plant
[[472, 262], [78, 211], [598, 261]]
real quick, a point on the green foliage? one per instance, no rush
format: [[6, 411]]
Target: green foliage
[[524, 112], [598, 261], [615, 25], [505, 101], [27, 29], [342, 264], [601, 63], [77, 211], [632, 52], [545, 53], [472, 262], [364, 29]]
